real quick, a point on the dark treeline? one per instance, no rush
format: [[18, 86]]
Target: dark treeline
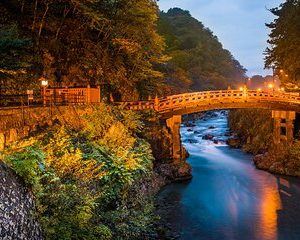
[[113, 43], [283, 54], [125, 46]]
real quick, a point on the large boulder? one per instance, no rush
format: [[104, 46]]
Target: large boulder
[[234, 142]]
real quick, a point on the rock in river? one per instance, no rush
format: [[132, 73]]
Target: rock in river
[[234, 142], [190, 141], [208, 137], [189, 124]]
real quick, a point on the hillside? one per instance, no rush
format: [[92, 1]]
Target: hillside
[[199, 61], [75, 43], [120, 47]]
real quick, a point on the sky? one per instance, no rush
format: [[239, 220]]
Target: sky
[[238, 24]]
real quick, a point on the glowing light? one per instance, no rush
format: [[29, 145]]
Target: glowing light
[[268, 211], [281, 71], [282, 89], [270, 85], [241, 89], [286, 75], [259, 89], [44, 83]]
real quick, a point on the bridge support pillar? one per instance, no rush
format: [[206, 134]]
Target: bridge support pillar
[[173, 124], [283, 126]]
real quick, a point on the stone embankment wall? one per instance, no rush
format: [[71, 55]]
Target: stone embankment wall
[[17, 220], [16, 124]]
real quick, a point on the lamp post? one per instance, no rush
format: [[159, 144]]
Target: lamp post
[[271, 87], [44, 83], [249, 83], [273, 69]]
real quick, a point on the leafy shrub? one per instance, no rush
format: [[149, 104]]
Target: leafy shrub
[[82, 178], [28, 163]]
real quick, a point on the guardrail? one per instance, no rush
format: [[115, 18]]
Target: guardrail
[[163, 104], [19, 101]]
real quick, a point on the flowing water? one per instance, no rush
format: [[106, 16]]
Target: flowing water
[[228, 198]]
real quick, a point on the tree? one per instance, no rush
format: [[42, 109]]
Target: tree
[[199, 61], [95, 42], [283, 54], [15, 55]]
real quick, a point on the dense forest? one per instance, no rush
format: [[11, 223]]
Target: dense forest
[[70, 42], [199, 62], [283, 54], [126, 47]]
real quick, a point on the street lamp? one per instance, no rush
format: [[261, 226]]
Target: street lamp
[[249, 82], [273, 77], [44, 83], [271, 86]]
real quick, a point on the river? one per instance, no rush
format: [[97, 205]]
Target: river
[[228, 198]]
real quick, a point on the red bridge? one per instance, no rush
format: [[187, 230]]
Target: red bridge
[[212, 100]]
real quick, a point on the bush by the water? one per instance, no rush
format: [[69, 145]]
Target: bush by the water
[[254, 128], [282, 158], [87, 177]]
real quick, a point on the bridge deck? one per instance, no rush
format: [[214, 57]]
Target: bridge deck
[[207, 100]]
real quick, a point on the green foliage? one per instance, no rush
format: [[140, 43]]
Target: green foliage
[[284, 40], [257, 126], [65, 209], [131, 224], [103, 232], [199, 61], [28, 163], [283, 158], [15, 59], [254, 127], [87, 181], [94, 42], [295, 151]]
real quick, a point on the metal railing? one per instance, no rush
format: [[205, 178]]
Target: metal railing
[[162, 104], [18, 101]]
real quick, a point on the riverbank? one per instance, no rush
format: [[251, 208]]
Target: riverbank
[[96, 179], [282, 159], [253, 133], [227, 198]]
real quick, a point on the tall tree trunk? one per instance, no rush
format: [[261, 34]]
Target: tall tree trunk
[[22, 6], [42, 23], [34, 15], [66, 11]]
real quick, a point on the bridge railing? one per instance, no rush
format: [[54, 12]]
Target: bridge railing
[[225, 96], [210, 97], [137, 105]]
